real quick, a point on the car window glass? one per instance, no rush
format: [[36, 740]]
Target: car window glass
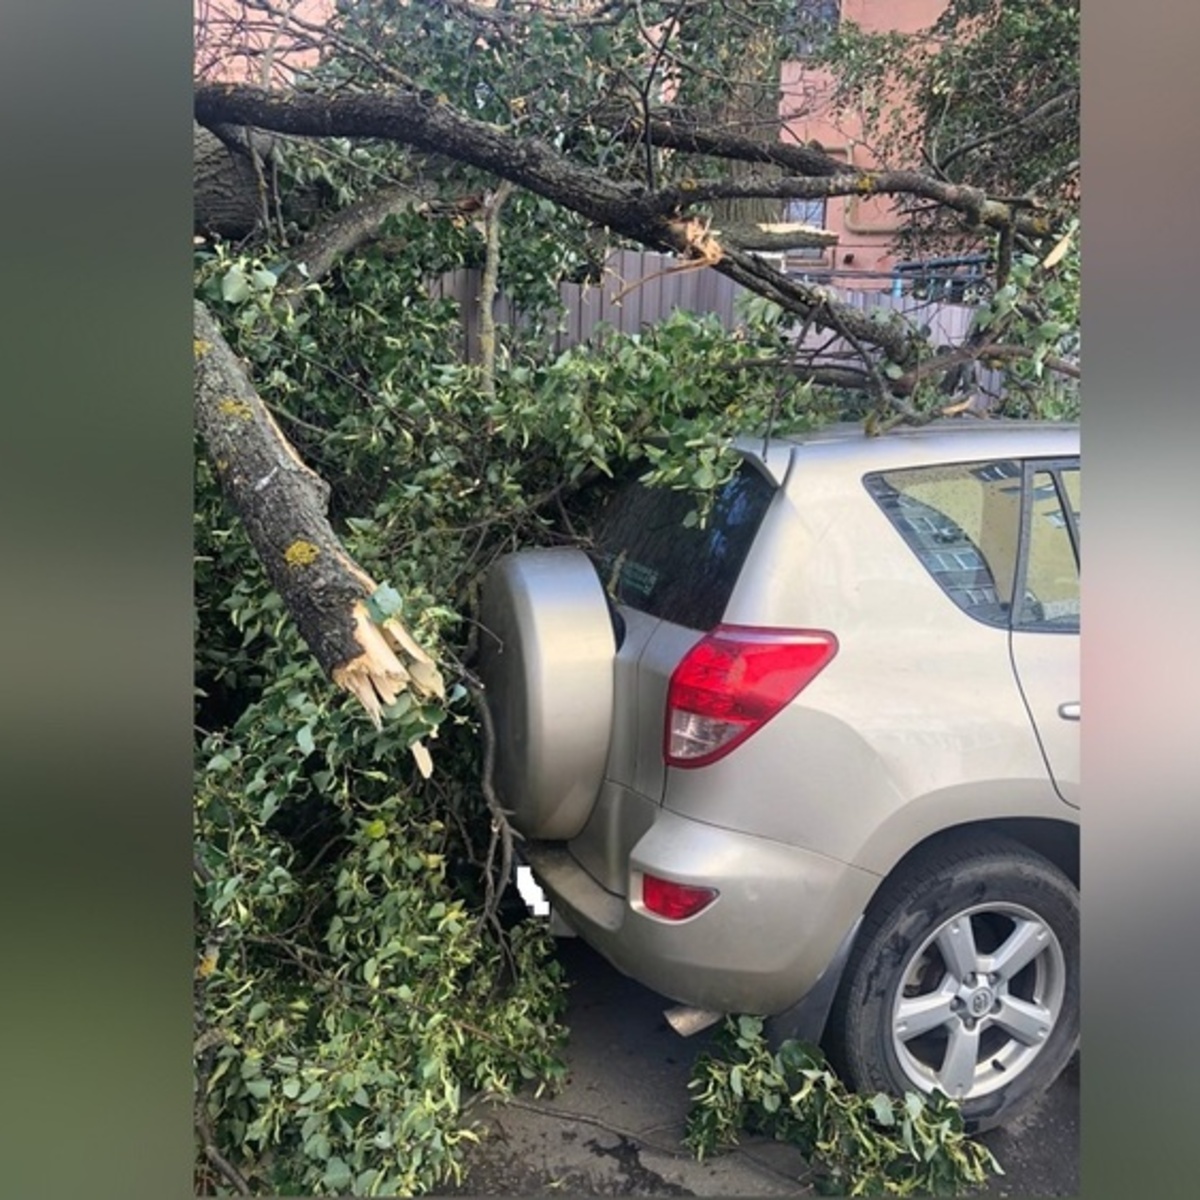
[[649, 560], [1070, 480], [1051, 593], [962, 521]]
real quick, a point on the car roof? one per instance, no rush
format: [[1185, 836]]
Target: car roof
[[846, 444]]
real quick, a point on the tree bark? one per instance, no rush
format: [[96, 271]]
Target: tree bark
[[776, 236], [282, 504], [225, 193], [231, 194], [489, 288], [341, 234], [687, 137]]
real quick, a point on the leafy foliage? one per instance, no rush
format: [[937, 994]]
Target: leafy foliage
[[726, 65], [351, 996], [991, 98], [1038, 310], [581, 80], [859, 1145]]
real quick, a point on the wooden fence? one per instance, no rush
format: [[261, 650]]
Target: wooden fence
[[590, 307], [587, 307]]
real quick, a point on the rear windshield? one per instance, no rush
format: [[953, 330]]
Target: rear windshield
[[649, 560]]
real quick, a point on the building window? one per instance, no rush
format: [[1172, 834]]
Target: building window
[[806, 212], [811, 23]]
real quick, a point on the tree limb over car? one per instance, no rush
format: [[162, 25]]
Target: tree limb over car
[[413, 117], [683, 158]]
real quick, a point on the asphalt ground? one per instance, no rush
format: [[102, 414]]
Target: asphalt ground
[[616, 1128]]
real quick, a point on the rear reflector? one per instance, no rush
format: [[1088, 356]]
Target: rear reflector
[[675, 901], [732, 682]]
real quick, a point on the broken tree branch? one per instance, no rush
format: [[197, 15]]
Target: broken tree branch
[[282, 504], [417, 118], [774, 237], [348, 230], [489, 288]]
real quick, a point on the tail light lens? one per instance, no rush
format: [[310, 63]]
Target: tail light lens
[[732, 682], [675, 901]]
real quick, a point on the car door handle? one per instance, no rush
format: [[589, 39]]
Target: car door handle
[[1069, 711]]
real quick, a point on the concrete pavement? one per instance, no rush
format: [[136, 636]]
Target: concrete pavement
[[617, 1126]]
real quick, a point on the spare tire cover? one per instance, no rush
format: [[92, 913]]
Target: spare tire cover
[[547, 653]]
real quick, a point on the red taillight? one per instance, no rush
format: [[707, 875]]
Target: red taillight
[[732, 682], [675, 901]]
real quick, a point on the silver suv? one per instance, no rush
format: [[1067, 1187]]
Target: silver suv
[[818, 758]]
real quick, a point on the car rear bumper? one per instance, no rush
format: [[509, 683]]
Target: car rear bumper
[[774, 927]]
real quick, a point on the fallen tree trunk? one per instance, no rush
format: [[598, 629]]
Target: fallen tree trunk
[[233, 184], [226, 198], [282, 504]]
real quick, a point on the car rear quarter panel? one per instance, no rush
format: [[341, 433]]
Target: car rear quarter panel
[[916, 725]]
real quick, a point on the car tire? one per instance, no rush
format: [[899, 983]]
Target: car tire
[[964, 979], [547, 654]]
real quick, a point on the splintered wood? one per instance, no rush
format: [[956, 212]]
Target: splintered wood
[[378, 675], [282, 504]]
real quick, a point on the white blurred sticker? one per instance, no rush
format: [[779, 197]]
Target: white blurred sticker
[[534, 897]]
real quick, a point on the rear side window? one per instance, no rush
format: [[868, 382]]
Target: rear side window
[[649, 560], [963, 522], [1050, 584]]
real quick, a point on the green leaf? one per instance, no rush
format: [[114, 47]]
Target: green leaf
[[881, 1106], [235, 287], [366, 1181], [749, 1027], [304, 739], [384, 602], [337, 1175]]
